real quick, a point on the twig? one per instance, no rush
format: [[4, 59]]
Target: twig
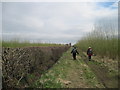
[[20, 79]]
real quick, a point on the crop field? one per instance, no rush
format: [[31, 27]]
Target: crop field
[[17, 43]]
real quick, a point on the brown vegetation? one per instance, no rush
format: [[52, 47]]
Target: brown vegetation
[[17, 63]]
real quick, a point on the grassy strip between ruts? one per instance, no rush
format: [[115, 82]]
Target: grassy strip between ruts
[[68, 73]]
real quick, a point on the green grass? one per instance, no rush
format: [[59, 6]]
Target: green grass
[[68, 70], [45, 81], [16, 43]]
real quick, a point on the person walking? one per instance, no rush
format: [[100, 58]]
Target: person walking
[[74, 52], [89, 53]]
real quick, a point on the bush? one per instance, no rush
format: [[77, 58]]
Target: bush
[[103, 39], [19, 62]]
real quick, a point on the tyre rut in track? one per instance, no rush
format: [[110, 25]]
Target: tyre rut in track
[[102, 74]]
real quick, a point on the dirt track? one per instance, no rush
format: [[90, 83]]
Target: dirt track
[[102, 73]]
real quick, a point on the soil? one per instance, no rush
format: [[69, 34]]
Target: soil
[[102, 73]]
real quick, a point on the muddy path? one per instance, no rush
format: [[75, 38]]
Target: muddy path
[[102, 73]]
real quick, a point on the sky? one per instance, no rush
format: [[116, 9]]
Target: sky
[[53, 22]]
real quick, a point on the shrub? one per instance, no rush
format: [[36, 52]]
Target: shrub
[[19, 62]]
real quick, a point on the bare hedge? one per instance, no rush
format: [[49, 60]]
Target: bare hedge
[[17, 63]]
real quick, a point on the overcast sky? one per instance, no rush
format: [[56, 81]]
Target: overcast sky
[[53, 22]]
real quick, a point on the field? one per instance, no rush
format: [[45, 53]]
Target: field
[[17, 43]]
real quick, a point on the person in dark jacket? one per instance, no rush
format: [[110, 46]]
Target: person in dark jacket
[[89, 53], [74, 52]]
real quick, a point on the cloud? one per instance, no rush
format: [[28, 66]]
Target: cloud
[[32, 22], [58, 0], [54, 22]]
